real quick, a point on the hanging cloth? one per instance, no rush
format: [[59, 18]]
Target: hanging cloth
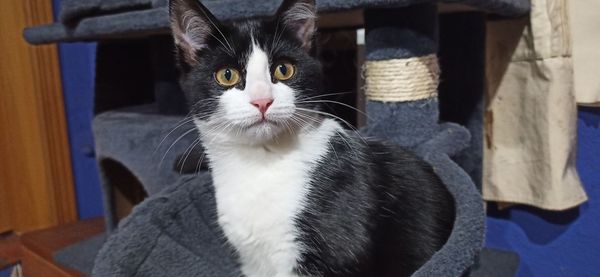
[[585, 23], [531, 113]]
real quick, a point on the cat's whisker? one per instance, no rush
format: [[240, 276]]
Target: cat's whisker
[[238, 131], [291, 126], [350, 148], [325, 114], [278, 43], [274, 36], [275, 138], [181, 123], [338, 133], [213, 128], [311, 121], [324, 95], [336, 117], [173, 144], [337, 158], [307, 119], [222, 127], [199, 164], [218, 30], [336, 102], [188, 150]]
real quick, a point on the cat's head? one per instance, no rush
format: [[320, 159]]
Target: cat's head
[[250, 81]]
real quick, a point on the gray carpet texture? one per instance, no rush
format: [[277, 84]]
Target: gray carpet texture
[[80, 256], [84, 20], [496, 263], [173, 233]]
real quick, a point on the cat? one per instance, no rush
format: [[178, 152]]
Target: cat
[[297, 193]]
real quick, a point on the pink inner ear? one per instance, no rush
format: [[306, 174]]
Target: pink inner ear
[[300, 18], [305, 33], [192, 43]]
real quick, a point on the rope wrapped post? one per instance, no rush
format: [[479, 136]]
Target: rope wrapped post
[[402, 78], [402, 73]]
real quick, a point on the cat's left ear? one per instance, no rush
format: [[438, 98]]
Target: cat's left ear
[[299, 17]]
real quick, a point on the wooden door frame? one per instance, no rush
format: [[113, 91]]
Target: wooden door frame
[[36, 179]]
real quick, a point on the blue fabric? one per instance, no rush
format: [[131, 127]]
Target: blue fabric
[[77, 63], [557, 243], [6, 272]]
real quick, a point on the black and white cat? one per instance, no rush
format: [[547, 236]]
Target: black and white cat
[[297, 194]]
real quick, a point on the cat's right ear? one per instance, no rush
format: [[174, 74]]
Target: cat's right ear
[[192, 25], [299, 17]]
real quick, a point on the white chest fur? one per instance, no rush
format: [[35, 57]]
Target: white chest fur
[[259, 192]]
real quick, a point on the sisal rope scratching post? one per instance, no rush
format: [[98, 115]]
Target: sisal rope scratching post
[[402, 74], [402, 80]]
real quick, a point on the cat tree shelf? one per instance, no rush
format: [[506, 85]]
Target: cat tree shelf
[[99, 20]]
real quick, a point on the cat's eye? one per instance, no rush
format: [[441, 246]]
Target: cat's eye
[[227, 77], [284, 71]]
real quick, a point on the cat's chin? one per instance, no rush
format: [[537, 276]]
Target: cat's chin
[[258, 133], [263, 124], [264, 132]]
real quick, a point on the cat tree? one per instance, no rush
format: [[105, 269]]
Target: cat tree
[[160, 237]]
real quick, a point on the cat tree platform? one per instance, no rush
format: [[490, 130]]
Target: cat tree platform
[[90, 20]]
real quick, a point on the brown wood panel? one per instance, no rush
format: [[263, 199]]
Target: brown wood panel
[[34, 265], [12, 252], [36, 183], [46, 242], [34, 250]]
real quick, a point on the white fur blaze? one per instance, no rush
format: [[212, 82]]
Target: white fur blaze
[[258, 75], [259, 192]]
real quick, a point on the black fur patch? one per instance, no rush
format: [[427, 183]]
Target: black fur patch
[[374, 210]]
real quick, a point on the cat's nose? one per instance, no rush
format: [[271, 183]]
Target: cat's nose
[[262, 104]]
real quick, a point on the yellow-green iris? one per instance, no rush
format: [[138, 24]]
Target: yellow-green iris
[[284, 71], [227, 77]]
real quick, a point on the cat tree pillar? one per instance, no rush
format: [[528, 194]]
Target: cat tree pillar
[[402, 76], [402, 73]]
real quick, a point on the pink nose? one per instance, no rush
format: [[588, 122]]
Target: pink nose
[[262, 104]]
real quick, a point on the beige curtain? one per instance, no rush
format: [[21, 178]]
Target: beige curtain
[[530, 121], [585, 30]]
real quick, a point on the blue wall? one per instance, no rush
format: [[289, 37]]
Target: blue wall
[[6, 272], [77, 63], [564, 243]]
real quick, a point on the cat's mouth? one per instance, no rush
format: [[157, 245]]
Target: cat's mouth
[[263, 122]]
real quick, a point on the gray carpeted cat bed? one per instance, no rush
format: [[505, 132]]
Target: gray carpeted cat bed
[[174, 231]]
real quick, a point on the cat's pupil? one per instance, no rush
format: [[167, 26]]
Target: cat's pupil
[[283, 69], [227, 74]]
